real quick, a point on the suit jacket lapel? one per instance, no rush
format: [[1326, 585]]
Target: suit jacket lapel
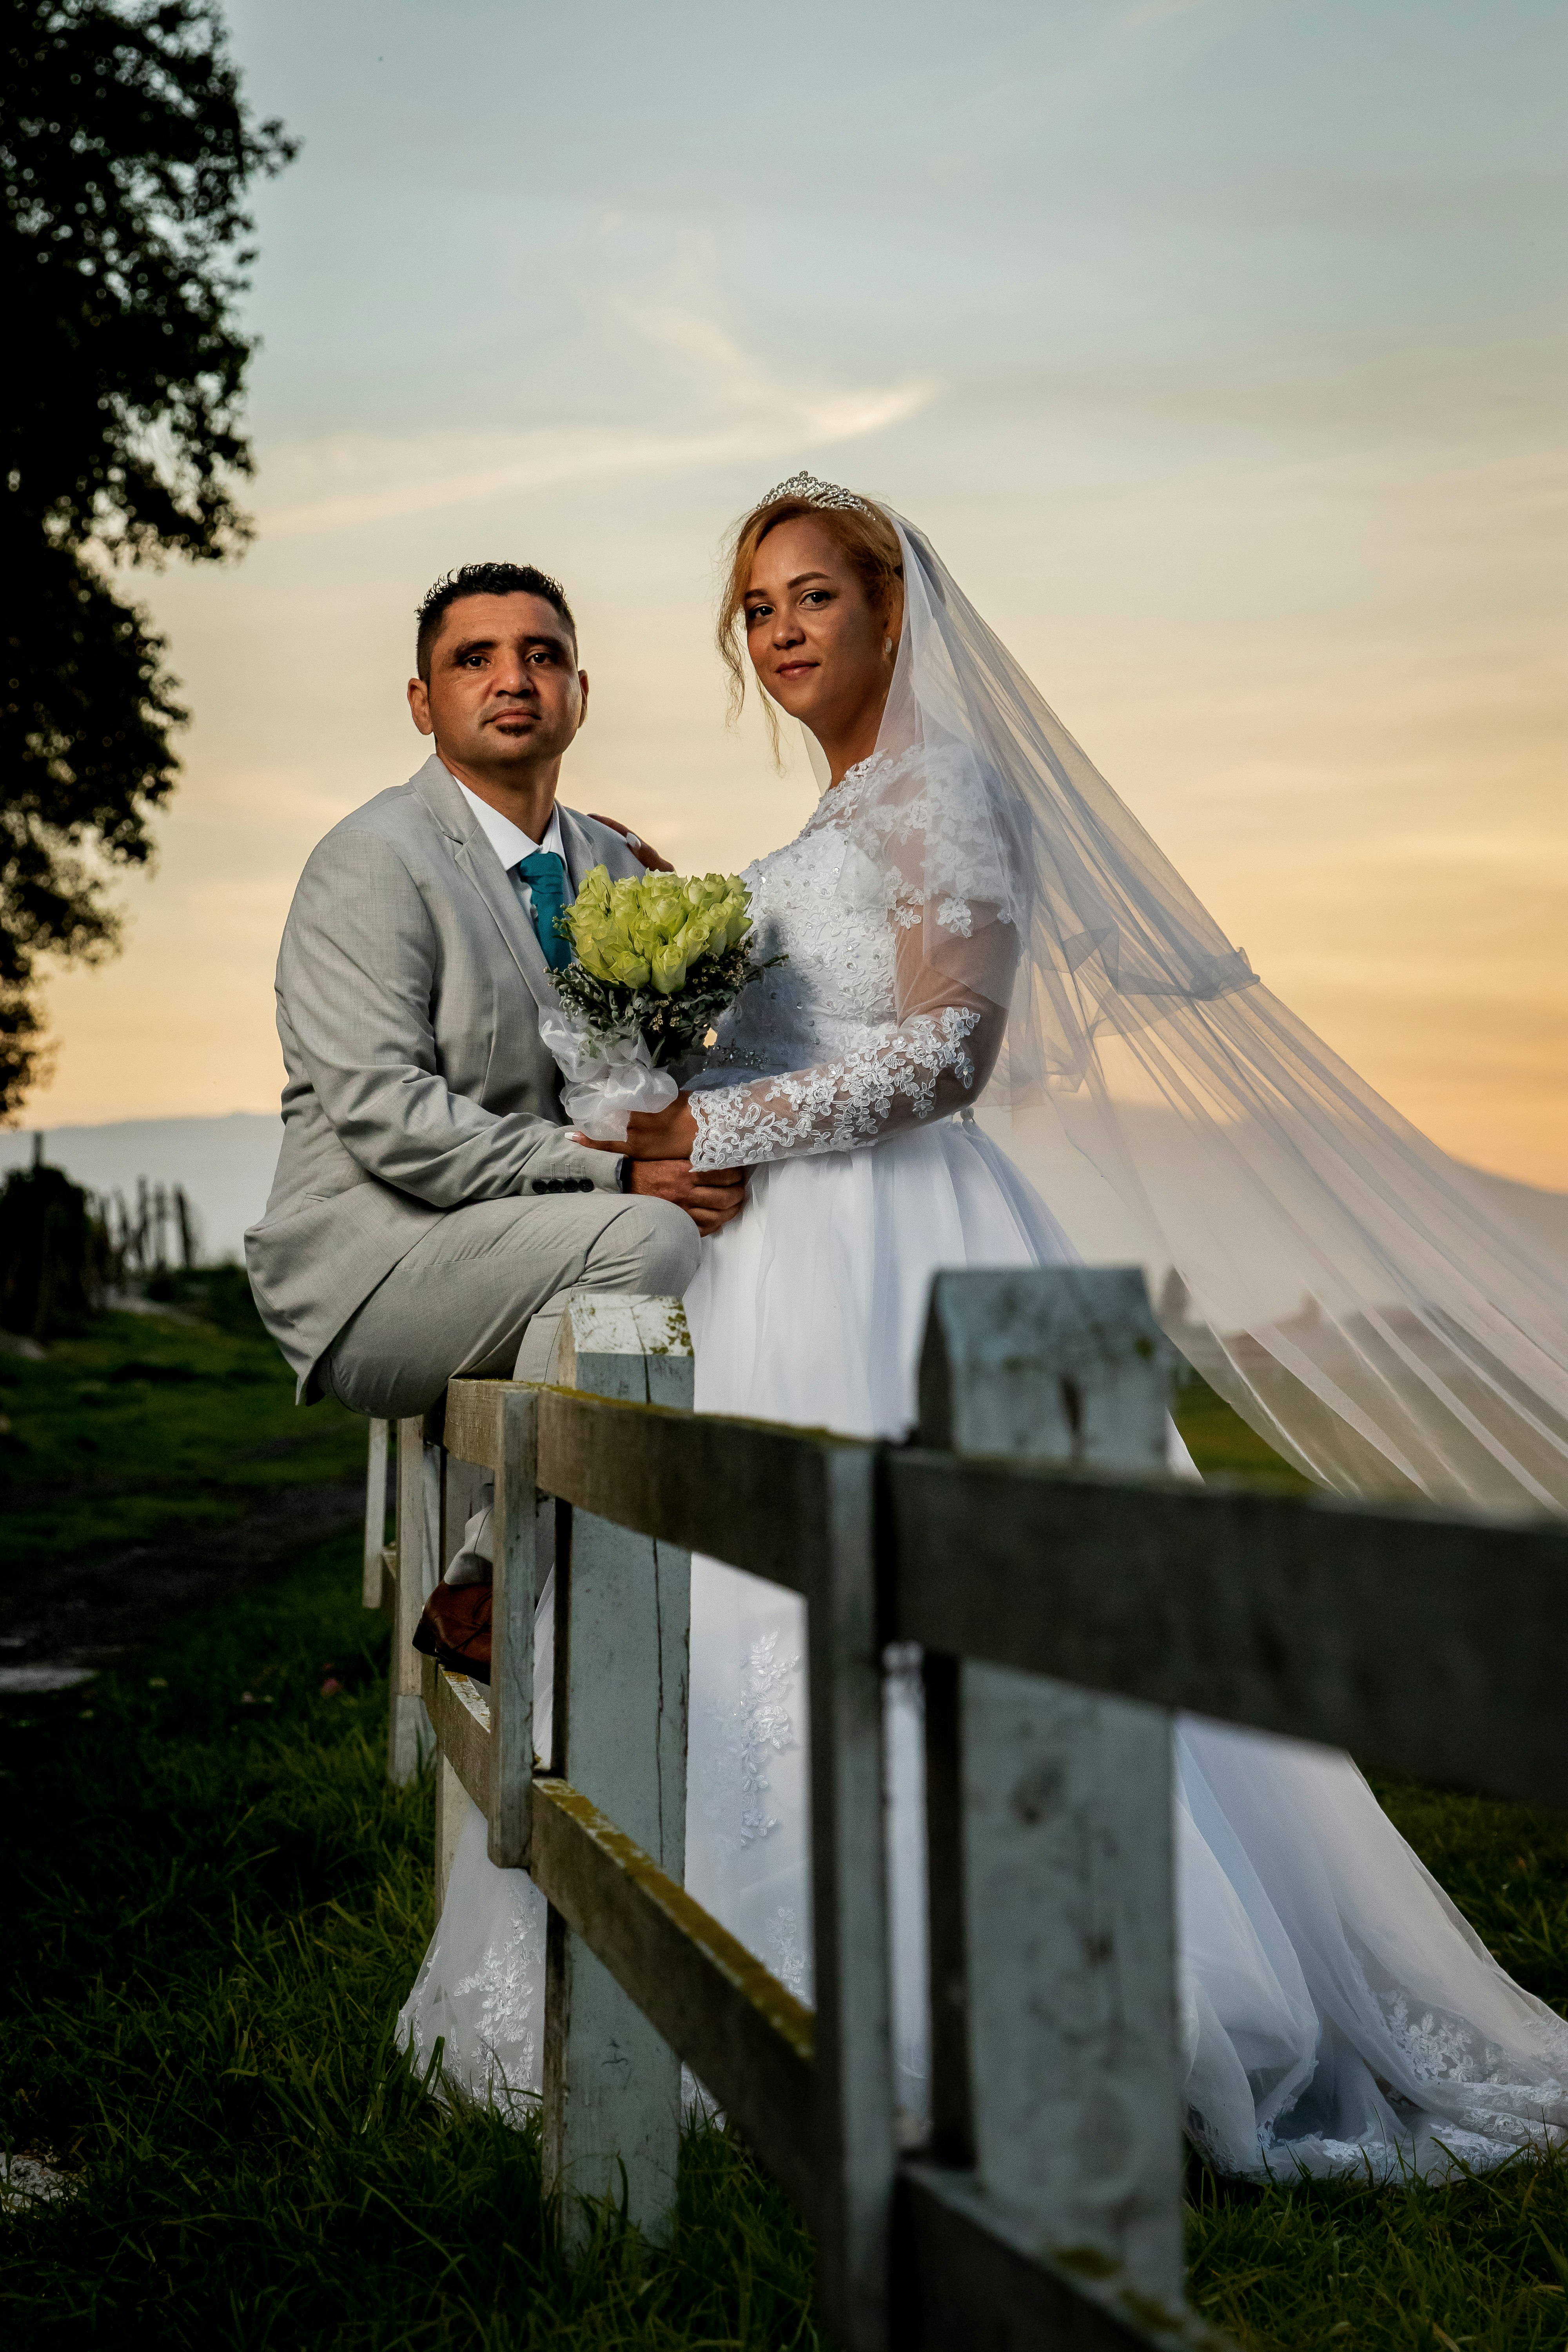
[[581, 855], [474, 856]]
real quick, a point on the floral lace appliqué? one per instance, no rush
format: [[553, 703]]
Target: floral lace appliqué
[[839, 1104], [764, 1727], [897, 844]]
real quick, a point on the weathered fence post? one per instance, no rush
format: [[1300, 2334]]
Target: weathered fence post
[[375, 1513], [853, 2057], [419, 1539], [515, 1582], [1050, 1817], [464, 1489], [623, 1610]]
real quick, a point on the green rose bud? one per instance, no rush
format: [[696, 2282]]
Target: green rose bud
[[668, 971], [693, 939]]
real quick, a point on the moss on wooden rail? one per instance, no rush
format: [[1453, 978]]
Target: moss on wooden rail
[[772, 2001]]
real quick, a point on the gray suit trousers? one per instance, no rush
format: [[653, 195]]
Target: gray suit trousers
[[483, 1292]]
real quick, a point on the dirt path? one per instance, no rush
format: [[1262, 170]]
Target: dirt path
[[84, 1614]]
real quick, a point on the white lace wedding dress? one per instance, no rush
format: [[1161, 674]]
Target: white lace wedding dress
[[1338, 2012]]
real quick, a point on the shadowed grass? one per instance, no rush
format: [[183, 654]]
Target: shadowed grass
[[146, 1429], [222, 1903], [1482, 2264]]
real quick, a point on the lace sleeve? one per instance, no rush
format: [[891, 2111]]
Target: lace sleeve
[[931, 1065], [923, 848]]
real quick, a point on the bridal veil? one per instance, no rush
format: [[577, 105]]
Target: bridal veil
[[1332, 1273]]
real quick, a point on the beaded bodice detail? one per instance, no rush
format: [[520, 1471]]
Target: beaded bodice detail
[[815, 1057]]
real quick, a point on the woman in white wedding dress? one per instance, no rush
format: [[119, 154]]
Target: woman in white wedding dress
[[970, 917]]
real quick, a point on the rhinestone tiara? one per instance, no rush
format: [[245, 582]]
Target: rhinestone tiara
[[815, 493]]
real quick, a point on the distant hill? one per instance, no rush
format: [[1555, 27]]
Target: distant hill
[[225, 1166]]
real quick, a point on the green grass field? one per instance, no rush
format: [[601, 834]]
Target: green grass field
[[146, 1430], [218, 1904]]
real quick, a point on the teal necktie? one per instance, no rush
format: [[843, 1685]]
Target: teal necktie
[[545, 875]]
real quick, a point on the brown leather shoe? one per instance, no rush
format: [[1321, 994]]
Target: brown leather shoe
[[455, 1630]]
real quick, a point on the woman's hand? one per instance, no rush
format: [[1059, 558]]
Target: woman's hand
[[639, 848], [654, 1134]]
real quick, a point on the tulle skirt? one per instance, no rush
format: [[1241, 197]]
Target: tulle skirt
[[1338, 2013]]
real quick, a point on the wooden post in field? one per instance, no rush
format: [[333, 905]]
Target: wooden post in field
[[514, 1574], [466, 1488], [853, 2102], [623, 1610], [375, 1513], [1050, 1816], [418, 1536]]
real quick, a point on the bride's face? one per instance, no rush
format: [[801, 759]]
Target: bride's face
[[815, 643]]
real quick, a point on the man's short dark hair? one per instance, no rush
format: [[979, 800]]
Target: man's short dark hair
[[484, 580]]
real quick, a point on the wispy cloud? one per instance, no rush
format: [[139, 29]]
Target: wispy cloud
[[348, 479]]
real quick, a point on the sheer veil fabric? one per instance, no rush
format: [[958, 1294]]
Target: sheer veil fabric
[[1338, 1277], [971, 917]]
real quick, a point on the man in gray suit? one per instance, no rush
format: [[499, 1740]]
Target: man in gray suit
[[430, 1211]]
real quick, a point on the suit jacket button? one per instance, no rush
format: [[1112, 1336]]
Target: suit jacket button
[[539, 1184]]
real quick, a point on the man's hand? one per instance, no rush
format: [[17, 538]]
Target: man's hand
[[711, 1198], [654, 1134], [659, 1145], [638, 847]]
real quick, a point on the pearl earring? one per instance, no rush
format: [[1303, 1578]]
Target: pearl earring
[[887, 644]]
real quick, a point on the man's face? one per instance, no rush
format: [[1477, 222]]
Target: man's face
[[504, 688]]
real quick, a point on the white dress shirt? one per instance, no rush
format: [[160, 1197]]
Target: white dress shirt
[[510, 842]]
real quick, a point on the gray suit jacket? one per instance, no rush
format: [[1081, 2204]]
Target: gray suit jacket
[[409, 986]]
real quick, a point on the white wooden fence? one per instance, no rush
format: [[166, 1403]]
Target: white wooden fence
[[1067, 1595]]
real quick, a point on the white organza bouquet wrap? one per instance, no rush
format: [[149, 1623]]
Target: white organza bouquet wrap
[[658, 960]]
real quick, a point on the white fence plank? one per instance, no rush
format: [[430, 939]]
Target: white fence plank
[[623, 1609], [374, 1513], [451, 1808], [854, 2100], [972, 2274], [419, 1525], [515, 1583], [1065, 2011]]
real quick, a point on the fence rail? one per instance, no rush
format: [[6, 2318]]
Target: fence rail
[[1063, 1606]]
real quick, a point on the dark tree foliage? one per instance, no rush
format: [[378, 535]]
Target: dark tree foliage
[[54, 1255], [126, 153]]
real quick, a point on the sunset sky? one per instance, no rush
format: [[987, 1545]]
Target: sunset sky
[[1211, 339]]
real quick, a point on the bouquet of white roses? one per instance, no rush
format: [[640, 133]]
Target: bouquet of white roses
[[658, 959]]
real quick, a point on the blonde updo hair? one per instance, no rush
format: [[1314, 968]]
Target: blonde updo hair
[[863, 536]]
